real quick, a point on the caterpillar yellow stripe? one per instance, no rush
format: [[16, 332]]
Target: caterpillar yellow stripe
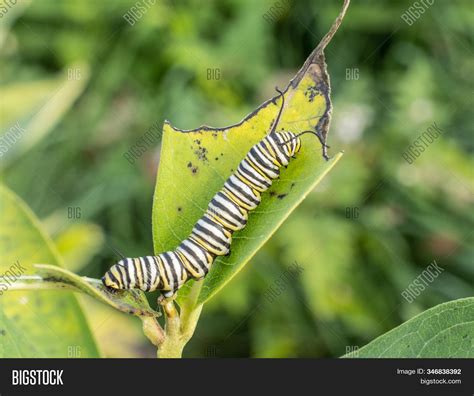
[[212, 234]]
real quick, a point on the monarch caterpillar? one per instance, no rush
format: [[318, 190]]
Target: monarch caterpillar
[[226, 213]]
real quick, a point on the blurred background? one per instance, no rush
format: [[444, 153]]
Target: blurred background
[[81, 82]]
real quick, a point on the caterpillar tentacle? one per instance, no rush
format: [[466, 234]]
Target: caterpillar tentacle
[[211, 236]]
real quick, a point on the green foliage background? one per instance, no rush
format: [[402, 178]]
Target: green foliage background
[[390, 82]]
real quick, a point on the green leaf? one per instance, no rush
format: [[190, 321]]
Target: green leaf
[[9, 18], [132, 301], [446, 330], [32, 324], [195, 164], [78, 243], [15, 343]]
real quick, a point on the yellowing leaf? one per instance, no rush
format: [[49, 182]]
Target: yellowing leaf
[[194, 165]]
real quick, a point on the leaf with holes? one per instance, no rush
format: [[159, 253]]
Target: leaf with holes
[[194, 165]]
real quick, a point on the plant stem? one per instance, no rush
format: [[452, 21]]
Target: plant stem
[[172, 346], [180, 327], [153, 330]]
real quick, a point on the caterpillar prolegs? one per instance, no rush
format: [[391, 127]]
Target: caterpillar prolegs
[[212, 235]]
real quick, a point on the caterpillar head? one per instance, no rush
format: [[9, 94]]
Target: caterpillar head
[[123, 275], [114, 277], [133, 273]]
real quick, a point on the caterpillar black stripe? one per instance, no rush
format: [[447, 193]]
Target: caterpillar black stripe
[[226, 213]]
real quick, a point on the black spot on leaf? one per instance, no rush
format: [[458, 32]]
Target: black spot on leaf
[[311, 92], [192, 168], [201, 153]]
